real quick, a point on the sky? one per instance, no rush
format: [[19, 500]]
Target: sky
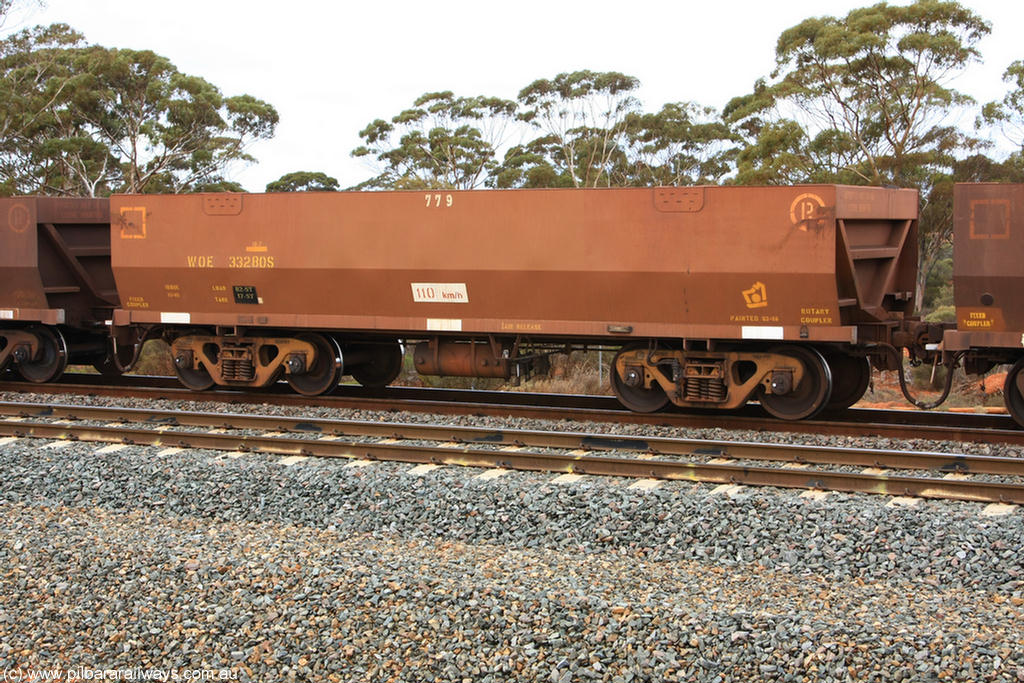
[[332, 67]]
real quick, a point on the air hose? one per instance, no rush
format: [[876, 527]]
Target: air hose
[[903, 380]]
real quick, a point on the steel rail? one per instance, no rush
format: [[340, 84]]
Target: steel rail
[[737, 450], [912, 424], [105, 384], [924, 487]]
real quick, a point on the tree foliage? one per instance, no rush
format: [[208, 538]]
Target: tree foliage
[[33, 83], [1008, 114], [579, 129], [682, 144], [782, 152], [442, 141], [876, 83], [535, 163], [304, 181], [81, 119], [583, 118]]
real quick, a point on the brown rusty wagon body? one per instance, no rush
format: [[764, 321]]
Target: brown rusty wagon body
[[707, 262], [988, 282], [256, 286], [57, 290]]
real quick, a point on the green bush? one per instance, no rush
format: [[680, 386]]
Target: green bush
[[942, 314]]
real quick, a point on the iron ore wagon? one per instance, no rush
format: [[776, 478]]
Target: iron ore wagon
[[714, 295]]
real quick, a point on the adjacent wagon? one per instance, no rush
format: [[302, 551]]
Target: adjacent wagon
[[988, 283], [57, 290]]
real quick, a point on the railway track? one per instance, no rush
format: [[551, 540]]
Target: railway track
[[933, 475], [895, 424]]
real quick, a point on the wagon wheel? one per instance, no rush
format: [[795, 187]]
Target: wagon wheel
[[813, 393], [638, 399], [52, 357], [1013, 392], [850, 379], [196, 379], [325, 372], [383, 367]]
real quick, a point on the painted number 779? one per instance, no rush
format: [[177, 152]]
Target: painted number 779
[[435, 200]]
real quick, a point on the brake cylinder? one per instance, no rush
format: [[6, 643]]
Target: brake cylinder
[[460, 359]]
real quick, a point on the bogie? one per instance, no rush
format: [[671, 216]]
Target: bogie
[[310, 362], [792, 382]]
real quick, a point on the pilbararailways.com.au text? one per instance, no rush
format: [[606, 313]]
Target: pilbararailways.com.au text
[[85, 673]]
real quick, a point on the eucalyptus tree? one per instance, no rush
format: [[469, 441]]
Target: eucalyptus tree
[[81, 119], [442, 141], [682, 144], [1008, 114], [34, 83], [877, 83], [582, 118], [782, 152], [163, 126], [545, 161], [304, 181]]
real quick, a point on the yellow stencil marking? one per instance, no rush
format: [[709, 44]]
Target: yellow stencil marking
[[806, 208], [756, 296], [133, 222]]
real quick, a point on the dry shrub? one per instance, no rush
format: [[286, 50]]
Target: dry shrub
[[575, 373], [155, 359]]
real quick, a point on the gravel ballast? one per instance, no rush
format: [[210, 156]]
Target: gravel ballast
[[318, 571]]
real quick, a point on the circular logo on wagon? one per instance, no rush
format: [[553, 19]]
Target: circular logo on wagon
[[807, 210], [19, 218]]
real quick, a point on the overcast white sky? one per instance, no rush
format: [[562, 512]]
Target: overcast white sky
[[331, 67]]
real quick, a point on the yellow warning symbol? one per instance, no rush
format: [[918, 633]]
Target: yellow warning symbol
[[756, 296]]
